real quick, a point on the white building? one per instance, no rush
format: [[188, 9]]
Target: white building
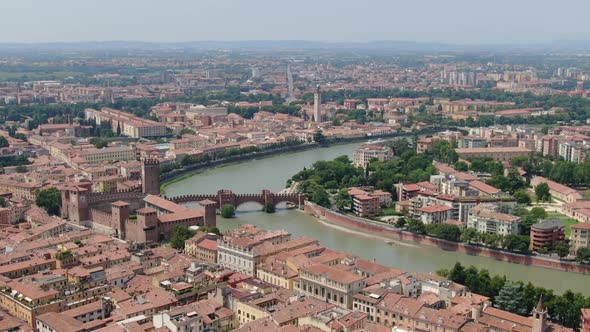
[[365, 153], [485, 219]]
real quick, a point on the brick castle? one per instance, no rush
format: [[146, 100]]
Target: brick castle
[[138, 214]]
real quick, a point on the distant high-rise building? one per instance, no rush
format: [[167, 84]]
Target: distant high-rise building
[[255, 72], [317, 106], [560, 72], [459, 77]]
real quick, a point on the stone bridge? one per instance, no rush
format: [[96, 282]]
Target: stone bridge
[[225, 196]]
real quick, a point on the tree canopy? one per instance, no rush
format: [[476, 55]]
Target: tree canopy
[[542, 192], [519, 297], [50, 200], [179, 235], [228, 211], [3, 142]]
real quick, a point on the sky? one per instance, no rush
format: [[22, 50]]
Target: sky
[[447, 21]]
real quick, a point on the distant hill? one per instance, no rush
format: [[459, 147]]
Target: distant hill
[[384, 45]]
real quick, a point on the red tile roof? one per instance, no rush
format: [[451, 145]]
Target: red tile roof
[[435, 208]]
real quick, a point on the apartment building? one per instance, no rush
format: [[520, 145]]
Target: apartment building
[[498, 154], [470, 142], [368, 202], [435, 214], [424, 144], [579, 237], [485, 219], [20, 189], [203, 247], [365, 153], [574, 151], [547, 233]]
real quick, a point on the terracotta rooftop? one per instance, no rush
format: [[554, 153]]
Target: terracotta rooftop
[[435, 208]]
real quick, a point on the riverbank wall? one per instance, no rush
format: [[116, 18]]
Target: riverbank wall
[[389, 231]]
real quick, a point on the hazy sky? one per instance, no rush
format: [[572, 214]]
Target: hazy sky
[[455, 21]]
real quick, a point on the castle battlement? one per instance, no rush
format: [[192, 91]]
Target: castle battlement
[[121, 191], [151, 162]]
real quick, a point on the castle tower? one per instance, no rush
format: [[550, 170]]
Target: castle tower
[[147, 229], [120, 214], [150, 176], [74, 204], [210, 212], [539, 317], [317, 106]]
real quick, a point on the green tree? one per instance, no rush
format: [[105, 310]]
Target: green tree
[[3, 202], [320, 197], [343, 199], [516, 182], [516, 242], [510, 298], [522, 197], [457, 274], [538, 213], [542, 192], [269, 208], [179, 235], [583, 255], [400, 146], [444, 231], [99, 143], [210, 229], [401, 222], [228, 211], [3, 142], [49, 199], [562, 249], [444, 152], [529, 218], [63, 255], [319, 137], [565, 309], [416, 226], [469, 235], [461, 166]]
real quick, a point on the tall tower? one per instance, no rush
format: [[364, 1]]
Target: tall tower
[[317, 106], [539, 316], [150, 176]]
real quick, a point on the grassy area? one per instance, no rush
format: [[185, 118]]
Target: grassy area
[[390, 211], [565, 219]]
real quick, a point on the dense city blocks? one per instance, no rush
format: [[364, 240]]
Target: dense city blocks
[[254, 166]]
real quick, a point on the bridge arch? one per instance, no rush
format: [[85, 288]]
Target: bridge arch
[[225, 196]]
